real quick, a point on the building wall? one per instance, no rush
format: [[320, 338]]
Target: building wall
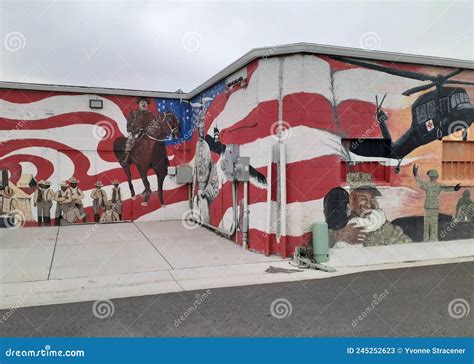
[[55, 136], [324, 106]]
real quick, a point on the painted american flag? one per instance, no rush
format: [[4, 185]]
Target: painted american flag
[[54, 136]]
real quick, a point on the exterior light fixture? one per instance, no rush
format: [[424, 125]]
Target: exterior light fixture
[[96, 104]]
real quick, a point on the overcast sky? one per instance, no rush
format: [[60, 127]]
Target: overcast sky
[[166, 45]]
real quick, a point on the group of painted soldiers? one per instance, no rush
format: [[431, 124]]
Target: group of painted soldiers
[[355, 219], [69, 203]]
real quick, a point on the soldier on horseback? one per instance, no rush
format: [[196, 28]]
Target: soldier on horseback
[[146, 147], [137, 123]]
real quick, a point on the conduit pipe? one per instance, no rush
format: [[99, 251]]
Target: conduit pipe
[[283, 198], [245, 228]]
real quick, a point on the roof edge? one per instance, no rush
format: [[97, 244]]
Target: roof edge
[[256, 53], [313, 48], [90, 90]]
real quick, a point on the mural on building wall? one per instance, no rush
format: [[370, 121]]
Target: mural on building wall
[[212, 198], [67, 163], [145, 146], [435, 114], [206, 180], [355, 218], [348, 126], [432, 190], [347, 122]]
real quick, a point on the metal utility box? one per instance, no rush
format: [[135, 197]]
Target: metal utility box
[[241, 169], [320, 242], [230, 158], [182, 174]]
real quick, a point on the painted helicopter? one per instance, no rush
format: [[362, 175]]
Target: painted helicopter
[[435, 114]]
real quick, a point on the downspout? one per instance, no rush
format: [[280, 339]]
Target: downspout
[[283, 198], [245, 228], [268, 228], [233, 228], [281, 164]]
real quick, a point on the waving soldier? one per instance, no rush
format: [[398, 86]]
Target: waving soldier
[[432, 189]]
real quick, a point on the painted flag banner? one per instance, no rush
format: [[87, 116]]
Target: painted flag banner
[[236, 350]]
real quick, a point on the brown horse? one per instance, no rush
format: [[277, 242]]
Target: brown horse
[[149, 152]]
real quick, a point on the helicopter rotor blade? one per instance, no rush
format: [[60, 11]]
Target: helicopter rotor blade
[[379, 106], [452, 74], [454, 82], [383, 99], [419, 88], [392, 71]]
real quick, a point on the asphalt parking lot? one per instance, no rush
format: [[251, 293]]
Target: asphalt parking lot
[[420, 302]]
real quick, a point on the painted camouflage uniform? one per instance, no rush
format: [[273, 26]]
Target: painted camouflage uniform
[[388, 234], [432, 190], [465, 207]]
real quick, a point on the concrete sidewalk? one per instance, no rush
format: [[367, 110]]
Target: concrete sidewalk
[[49, 265]]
